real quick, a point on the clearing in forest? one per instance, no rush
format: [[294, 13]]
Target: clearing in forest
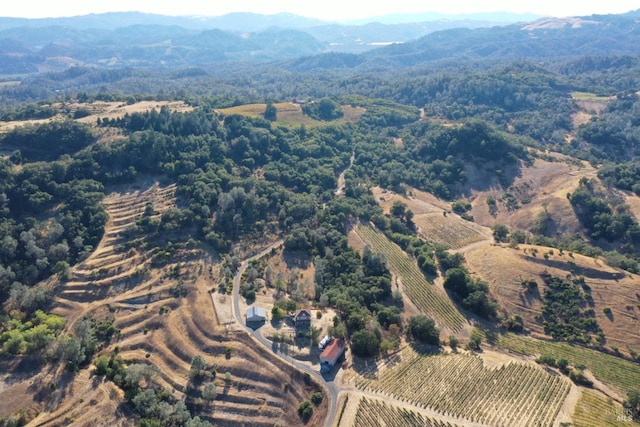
[[101, 110], [290, 114]]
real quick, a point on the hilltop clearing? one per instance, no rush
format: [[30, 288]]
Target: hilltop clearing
[[90, 112]]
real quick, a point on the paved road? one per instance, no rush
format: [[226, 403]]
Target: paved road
[[332, 394]]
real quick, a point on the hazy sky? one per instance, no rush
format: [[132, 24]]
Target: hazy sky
[[323, 9]]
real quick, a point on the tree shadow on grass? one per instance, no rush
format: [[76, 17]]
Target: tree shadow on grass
[[425, 349]]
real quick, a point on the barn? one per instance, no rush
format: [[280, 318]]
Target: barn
[[331, 354]]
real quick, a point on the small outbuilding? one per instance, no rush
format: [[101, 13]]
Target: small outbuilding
[[331, 354], [256, 314]]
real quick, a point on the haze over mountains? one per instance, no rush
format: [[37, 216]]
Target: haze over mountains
[[146, 40]]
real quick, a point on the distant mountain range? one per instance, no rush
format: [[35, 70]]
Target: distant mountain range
[[252, 22], [145, 40]]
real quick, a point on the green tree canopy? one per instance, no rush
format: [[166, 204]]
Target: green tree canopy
[[423, 329]]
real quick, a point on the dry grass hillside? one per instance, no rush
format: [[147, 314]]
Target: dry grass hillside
[[165, 315], [506, 268], [543, 185], [590, 105]]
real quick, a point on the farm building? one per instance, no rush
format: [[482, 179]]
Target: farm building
[[331, 354], [302, 319], [256, 314]]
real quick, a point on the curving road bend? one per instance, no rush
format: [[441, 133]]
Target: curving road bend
[[330, 386]]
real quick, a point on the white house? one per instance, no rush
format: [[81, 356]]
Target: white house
[[256, 314]]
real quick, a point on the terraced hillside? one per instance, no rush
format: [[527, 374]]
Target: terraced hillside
[[161, 304], [113, 274]]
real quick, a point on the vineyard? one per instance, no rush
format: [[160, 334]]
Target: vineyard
[[615, 371], [593, 409], [374, 413], [461, 386], [449, 230], [424, 295]]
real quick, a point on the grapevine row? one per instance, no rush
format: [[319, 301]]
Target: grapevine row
[[374, 413], [616, 371], [594, 409], [450, 230], [461, 386], [424, 295]]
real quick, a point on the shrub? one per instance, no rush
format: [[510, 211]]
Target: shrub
[[514, 323], [453, 342], [563, 364], [577, 376], [277, 314], [316, 397], [546, 359], [475, 341], [632, 404], [305, 409], [500, 233]]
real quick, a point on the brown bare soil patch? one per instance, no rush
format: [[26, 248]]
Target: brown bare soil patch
[[632, 201], [506, 268], [352, 114], [419, 202]]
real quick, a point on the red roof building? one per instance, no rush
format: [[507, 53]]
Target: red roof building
[[331, 354]]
